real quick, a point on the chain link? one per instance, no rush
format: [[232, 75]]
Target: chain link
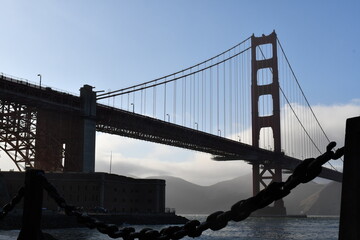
[[10, 206], [306, 171]]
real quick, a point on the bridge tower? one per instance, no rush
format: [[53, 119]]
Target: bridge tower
[[66, 142], [265, 172]]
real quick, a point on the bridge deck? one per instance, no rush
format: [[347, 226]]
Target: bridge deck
[[124, 123], [35, 96]]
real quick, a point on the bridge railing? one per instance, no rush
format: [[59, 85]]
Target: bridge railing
[[35, 182], [33, 84]]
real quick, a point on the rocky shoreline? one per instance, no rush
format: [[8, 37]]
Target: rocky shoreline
[[53, 221]]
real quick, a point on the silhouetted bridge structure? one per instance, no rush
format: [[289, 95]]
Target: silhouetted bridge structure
[[235, 106]]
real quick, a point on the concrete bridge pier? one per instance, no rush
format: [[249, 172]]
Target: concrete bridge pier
[[66, 142], [88, 104]]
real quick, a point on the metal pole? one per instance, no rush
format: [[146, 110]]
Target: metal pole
[[39, 75], [31, 221], [350, 199], [110, 161]]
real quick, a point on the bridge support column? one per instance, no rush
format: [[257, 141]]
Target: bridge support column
[[66, 141], [264, 173], [88, 104], [57, 142]]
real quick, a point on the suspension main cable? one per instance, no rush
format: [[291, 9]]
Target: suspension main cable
[[297, 117], [128, 89], [302, 92], [186, 69]]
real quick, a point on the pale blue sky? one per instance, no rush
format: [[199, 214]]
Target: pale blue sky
[[115, 44]]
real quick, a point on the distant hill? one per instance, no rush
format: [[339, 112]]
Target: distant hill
[[189, 198], [296, 197], [324, 202]]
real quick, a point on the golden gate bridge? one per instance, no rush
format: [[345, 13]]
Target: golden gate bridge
[[245, 103]]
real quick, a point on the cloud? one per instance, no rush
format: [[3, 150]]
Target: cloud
[[333, 118], [295, 140], [163, 160]]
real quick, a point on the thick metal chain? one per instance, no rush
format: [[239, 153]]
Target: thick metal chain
[[10, 206], [306, 171]]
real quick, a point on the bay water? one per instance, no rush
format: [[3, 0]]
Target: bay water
[[253, 228]]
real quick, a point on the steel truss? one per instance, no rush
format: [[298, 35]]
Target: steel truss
[[18, 133]]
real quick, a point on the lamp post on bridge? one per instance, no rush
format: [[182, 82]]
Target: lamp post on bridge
[[39, 75], [110, 161]]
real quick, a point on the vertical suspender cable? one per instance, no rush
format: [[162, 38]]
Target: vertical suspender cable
[[183, 98], [165, 100], [217, 98], [236, 79], [154, 101], [133, 100], [145, 100], [174, 101], [128, 103], [194, 100], [211, 100], [185, 102], [270, 104], [224, 99], [121, 101], [230, 101], [198, 98], [191, 98], [243, 118], [203, 102], [141, 101]]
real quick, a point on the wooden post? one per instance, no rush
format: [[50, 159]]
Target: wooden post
[[349, 215], [31, 221]]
